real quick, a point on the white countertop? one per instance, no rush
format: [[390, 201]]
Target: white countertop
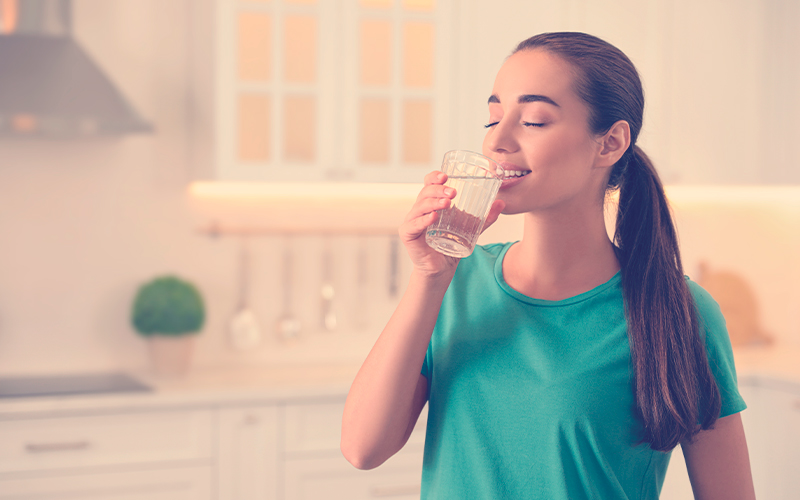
[[206, 387], [250, 385]]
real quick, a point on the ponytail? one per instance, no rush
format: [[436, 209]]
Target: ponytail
[[674, 387]]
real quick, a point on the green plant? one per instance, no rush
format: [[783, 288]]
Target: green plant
[[168, 306]]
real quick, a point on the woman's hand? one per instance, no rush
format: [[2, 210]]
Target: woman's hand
[[433, 196]]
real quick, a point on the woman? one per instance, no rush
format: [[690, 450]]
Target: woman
[[565, 365]]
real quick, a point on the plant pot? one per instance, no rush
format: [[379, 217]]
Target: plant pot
[[171, 356]]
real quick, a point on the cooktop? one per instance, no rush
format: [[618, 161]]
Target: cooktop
[[72, 384]]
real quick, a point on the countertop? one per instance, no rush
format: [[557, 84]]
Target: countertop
[[212, 387]]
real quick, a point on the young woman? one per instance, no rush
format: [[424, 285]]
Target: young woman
[[564, 365]]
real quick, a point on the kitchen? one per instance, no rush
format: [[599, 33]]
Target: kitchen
[[87, 221]]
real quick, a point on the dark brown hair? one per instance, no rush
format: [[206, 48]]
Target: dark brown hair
[[676, 393]]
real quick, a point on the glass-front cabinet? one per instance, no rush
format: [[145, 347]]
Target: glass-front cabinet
[[321, 90]]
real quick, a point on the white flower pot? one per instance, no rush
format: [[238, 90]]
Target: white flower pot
[[171, 356]]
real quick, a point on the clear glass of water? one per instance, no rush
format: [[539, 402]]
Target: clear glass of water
[[476, 180]]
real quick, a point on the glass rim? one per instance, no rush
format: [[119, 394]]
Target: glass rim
[[498, 167]]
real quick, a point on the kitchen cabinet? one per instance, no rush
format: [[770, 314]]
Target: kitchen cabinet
[[240, 449], [180, 483], [772, 426], [247, 441], [773, 435], [284, 77], [315, 468], [713, 72], [124, 456]]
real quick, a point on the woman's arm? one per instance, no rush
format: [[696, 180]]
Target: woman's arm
[[389, 392], [718, 462]]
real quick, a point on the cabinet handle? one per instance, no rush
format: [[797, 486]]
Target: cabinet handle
[[50, 447], [394, 491]]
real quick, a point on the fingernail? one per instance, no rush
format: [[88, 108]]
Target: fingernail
[[443, 201], [448, 191]]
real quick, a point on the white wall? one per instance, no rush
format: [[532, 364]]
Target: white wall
[[83, 223]]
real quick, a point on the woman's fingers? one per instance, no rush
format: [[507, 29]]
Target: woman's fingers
[[435, 177]]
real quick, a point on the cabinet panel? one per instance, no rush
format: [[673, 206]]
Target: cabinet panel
[[248, 453], [71, 442], [334, 479], [168, 484]]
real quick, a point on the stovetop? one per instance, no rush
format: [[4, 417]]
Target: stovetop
[[72, 384]]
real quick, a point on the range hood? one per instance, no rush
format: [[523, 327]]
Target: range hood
[[49, 86]]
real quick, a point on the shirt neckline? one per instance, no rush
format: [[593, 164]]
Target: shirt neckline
[[501, 281]]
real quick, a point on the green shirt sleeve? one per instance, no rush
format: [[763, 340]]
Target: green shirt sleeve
[[718, 350]]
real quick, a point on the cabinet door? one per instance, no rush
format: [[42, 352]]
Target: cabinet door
[[779, 450], [333, 478], [248, 453], [192, 483], [68, 443]]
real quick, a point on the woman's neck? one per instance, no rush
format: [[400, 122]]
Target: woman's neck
[[561, 256]]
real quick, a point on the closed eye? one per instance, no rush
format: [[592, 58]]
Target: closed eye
[[529, 124], [490, 125]]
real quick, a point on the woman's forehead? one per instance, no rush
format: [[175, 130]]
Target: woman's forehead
[[534, 72]]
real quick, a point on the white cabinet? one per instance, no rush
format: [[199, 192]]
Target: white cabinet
[[315, 468], [248, 453], [773, 435], [74, 442], [192, 483], [119, 456], [772, 427]]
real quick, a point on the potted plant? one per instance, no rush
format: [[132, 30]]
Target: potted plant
[[168, 312]]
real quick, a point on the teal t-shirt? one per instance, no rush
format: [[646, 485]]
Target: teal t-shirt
[[533, 399]]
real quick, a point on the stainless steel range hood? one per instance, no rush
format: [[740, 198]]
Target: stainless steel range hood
[[49, 86]]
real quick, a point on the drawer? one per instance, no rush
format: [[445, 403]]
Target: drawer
[[189, 483], [83, 441], [335, 479], [315, 427]]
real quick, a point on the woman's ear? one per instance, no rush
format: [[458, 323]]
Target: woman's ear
[[614, 144]]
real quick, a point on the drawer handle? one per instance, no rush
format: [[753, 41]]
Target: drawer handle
[[394, 491], [51, 447]]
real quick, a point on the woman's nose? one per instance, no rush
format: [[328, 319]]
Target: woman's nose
[[500, 138]]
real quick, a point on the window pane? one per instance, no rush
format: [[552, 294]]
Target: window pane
[[417, 131], [254, 127], [300, 36], [255, 37], [374, 138], [300, 127], [418, 54], [418, 4], [376, 4], [376, 53]]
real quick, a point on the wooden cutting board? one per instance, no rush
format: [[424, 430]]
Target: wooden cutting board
[[738, 303]]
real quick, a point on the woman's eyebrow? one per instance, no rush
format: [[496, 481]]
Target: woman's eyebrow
[[526, 98]]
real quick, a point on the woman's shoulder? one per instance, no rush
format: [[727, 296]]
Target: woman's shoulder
[[708, 309], [705, 302]]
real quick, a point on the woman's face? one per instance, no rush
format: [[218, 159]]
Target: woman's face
[[538, 130]]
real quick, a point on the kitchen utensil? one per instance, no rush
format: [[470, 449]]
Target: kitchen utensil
[[327, 291], [244, 330], [288, 325], [394, 265], [361, 306]]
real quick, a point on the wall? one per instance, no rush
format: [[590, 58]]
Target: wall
[[82, 224]]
